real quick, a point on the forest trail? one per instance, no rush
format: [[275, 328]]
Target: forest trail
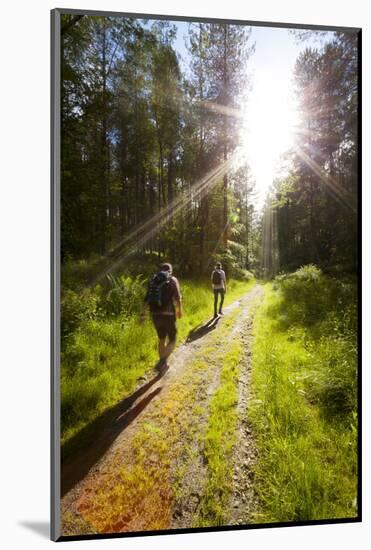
[[155, 461]]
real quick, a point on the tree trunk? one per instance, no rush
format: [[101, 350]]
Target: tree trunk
[[104, 197], [225, 146], [247, 263]]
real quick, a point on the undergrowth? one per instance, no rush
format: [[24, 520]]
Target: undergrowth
[[304, 398]]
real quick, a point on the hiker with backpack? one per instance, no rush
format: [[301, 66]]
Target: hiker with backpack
[[164, 301], [219, 286]]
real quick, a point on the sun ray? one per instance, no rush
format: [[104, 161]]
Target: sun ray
[[222, 109], [339, 192], [151, 227]]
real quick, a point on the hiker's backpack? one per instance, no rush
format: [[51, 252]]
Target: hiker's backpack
[[156, 294], [217, 277]]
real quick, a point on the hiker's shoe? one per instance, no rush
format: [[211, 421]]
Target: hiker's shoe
[[161, 364], [221, 313], [163, 368]]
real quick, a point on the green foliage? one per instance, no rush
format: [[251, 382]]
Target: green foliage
[[315, 204], [327, 307], [306, 274], [304, 398], [125, 295], [242, 274], [232, 264], [332, 383], [76, 308], [77, 274], [121, 295], [313, 297]]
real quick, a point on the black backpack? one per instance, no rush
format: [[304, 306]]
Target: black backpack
[[156, 294], [217, 277]]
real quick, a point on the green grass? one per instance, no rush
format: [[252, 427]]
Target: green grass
[[303, 403], [105, 354], [221, 433], [219, 441]]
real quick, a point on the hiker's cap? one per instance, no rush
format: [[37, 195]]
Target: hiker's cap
[[218, 265]]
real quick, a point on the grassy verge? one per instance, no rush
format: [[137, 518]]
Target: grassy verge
[[104, 356], [219, 441], [303, 405]]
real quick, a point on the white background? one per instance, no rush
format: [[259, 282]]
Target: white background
[[24, 284]]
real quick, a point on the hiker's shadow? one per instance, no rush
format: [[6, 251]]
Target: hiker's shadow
[[202, 330], [86, 448]]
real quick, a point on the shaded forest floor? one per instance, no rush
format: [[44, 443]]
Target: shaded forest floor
[[179, 452]]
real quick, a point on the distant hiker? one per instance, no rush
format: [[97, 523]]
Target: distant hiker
[[219, 285], [165, 304]]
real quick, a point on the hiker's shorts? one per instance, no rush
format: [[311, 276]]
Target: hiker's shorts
[[165, 325]]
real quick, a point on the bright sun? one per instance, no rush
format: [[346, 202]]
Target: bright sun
[[268, 130]]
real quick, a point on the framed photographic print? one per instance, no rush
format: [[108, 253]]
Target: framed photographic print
[[205, 274]]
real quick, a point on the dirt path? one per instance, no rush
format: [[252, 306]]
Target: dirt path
[[150, 467]]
